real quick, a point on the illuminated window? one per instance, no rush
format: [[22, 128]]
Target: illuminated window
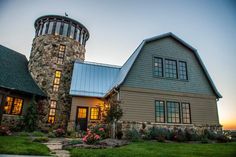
[[56, 81], [186, 113], [82, 113], [61, 54], [94, 113], [52, 111], [13, 106], [160, 111]]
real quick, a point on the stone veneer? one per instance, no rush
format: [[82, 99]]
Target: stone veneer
[[42, 66]]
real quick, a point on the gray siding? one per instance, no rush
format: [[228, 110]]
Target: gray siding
[[141, 73]]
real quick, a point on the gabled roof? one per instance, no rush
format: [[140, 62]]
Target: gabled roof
[[128, 64], [14, 72], [92, 79]]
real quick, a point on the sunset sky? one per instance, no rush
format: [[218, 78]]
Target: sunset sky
[[118, 27]]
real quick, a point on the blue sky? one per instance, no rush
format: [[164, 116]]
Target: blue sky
[[118, 27]]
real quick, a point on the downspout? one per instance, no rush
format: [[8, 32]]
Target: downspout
[[118, 94]]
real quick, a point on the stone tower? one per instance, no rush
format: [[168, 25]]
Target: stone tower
[[58, 42]]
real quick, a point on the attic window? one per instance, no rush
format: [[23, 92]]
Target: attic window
[[13, 106]]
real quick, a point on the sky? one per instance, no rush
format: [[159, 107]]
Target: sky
[[118, 27]]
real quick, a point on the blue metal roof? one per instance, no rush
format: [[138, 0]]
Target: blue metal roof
[[92, 79], [118, 75]]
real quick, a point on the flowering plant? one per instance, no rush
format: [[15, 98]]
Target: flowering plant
[[94, 135], [91, 137]]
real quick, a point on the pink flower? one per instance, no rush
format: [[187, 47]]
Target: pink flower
[[97, 137], [101, 129]]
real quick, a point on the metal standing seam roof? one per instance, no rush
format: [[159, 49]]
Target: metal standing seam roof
[[96, 78], [121, 74]]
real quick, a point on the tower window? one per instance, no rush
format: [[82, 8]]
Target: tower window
[[61, 54], [52, 111], [56, 81]]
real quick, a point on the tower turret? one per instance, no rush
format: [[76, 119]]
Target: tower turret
[[58, 42]]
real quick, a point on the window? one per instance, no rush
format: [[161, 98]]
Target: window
[[81, 38], [65, 29], [44, 28], [50, 28], [58, 28], [13, 105], [52, 111], [173, 112], [94, 113], [72, 32], [186, 113], [56, 81], [158, 66], [170, 68], [183, 70], [160, 111], [61, 53], [78, 35], [82, 113]]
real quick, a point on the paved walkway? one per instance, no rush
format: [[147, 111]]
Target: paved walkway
[[55, 146]]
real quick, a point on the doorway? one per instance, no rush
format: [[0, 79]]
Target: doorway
[[82, 118]]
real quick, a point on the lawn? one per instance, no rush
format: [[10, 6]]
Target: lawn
[[155, 149], [21, 146]]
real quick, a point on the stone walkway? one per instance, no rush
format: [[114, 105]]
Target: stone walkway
[[55, 146]]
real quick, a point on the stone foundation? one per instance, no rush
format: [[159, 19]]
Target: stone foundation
[[14, 122], [126, 125]]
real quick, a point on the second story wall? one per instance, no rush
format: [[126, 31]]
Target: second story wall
[[141, 74]]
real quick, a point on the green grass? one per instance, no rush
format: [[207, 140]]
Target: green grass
[[155, 149], [22, 146]]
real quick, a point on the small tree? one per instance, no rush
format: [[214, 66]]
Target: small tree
[[114, 113], [31, 116]]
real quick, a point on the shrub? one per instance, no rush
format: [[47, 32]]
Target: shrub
[[30, 118], [159, 134], [205, 140], [91, 137], [60, 132], [4, 131], [37, 134], [51, 135], [191, 135], [212, 135], [224, 137], [41, 139], [101, 130], [23, 133], [178, 135], [133, 135]]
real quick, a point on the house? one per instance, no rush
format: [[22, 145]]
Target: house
[[164, 82], [17, 87]]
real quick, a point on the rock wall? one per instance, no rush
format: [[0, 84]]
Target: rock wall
[[42, 66]]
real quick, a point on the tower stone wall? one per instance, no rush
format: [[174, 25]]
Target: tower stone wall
[[50, 54]]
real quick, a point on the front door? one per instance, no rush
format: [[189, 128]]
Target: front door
[[82, 118]]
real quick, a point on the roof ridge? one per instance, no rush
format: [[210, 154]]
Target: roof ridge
[[99, 64]]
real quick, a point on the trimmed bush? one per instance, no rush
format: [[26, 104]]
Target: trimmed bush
[[133, 135], [159, 134], [60, 132]]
